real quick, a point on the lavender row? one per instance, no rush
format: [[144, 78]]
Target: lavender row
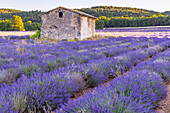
[[37, 93], [17, 48], [47, 91], [89, 45], [98, 71], [114, 51], [147, 29], [11, 47], [29, 63], [81, 45], [76, 45], [137, 91], [63, 46], [159, 64], [16, 37]]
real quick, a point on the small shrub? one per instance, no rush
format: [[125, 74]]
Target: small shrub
[[37, 35], [64, 40], [80, 80], [8, 76], [28, 69]]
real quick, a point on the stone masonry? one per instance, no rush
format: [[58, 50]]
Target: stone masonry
[[63, 23]]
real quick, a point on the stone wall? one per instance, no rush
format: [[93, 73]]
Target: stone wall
[[71, 25], [87, 27], [67, 27]]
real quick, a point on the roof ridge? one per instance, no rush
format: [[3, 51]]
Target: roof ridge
[[76, 11]]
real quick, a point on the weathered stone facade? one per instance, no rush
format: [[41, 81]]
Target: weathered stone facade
[[64, 23]]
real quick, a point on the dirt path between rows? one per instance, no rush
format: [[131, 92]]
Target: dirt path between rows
[[165, 104], [107, 83]]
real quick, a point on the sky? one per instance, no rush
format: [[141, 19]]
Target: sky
[[45, 5]]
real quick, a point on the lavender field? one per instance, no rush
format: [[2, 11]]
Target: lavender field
[[16, 34], [159, 31], [42, 76]]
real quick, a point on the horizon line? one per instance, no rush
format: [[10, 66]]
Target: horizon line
[[81, 8]]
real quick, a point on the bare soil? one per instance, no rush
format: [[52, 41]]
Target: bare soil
[[165, 104]]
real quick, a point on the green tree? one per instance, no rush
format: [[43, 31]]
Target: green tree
[[5, 25], [29, 26], [17, 24], [99, 24]]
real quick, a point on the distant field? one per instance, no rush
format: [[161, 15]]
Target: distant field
[[160, 32], [16, 33]]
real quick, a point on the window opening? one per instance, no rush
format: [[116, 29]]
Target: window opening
[[60, 14]]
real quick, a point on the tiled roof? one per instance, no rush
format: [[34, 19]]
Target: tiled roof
[[79, 12]]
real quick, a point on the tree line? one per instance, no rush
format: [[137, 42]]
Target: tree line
[[155, 20], [108, 16], [108, 11], [166, 13], [3, 10], [16, 24], [33, 16], [111, 11]]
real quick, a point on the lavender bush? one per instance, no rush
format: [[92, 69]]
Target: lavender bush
[[38, 92], [137, 91], [44, 75], [8, 76]]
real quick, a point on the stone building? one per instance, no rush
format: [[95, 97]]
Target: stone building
[[63, 23]]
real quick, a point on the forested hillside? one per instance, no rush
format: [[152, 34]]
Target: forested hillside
[[25, 15], [166, 13], [155, 20], [3, 10], [108, 16], [111, 11], [108, 11]]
